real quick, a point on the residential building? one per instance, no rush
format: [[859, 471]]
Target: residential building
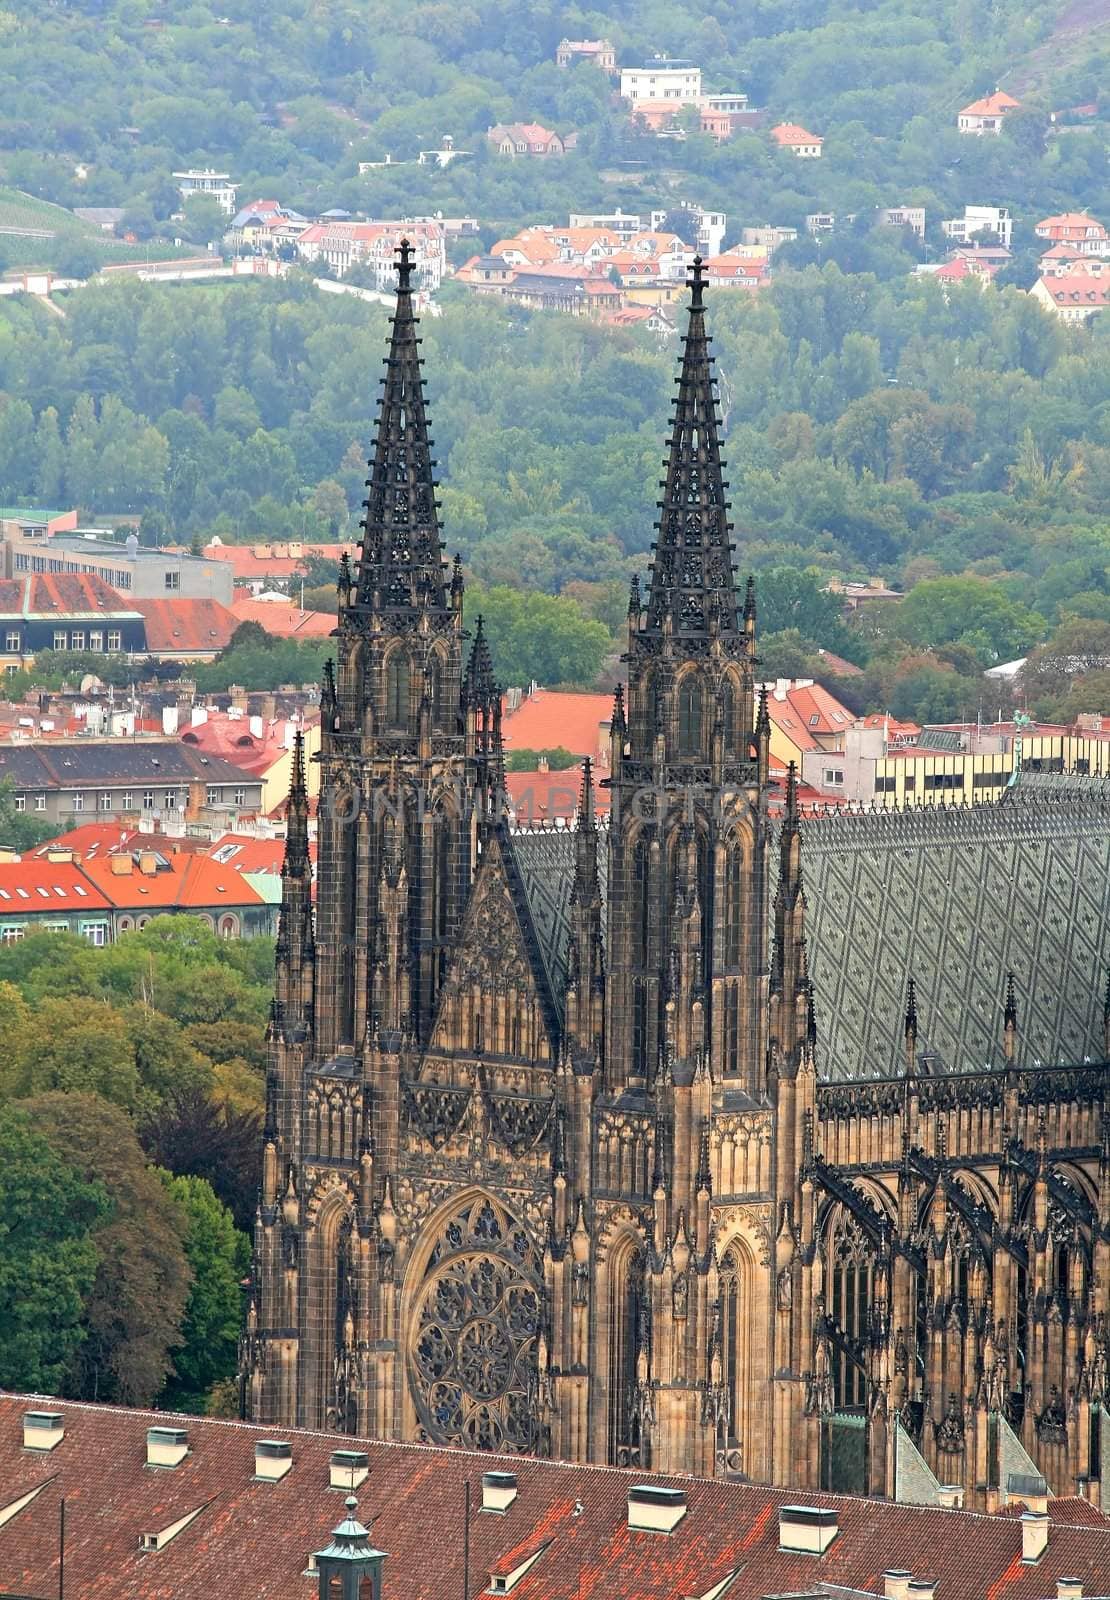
[[768, 237], [709, 226], [50, 895], [374, 244], [877, 764], [280, 615], [161, 879], [268, 226], [662, 78], [137, 571], [67, 612], [1077, 229], [982, 258], [820, 222], [259, 746], [189, 1505], [993, 220], [804, 717], [797, 140], [657, 1141], [736, 272], [623, 223], [276, 565], [854, 594], [912, 217], [561, 287], [987, 115], [1075, 296], [217, 185], [963, 264], [600, 52], [106, 218], [18, 526], [525, 139], [120, 779], [545, 719], [446, 153]]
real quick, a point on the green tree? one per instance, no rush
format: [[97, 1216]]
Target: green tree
[[18, 830], [219, 1256], [790, 599], [973, 611], [134, 1310], [48, 1256], [538, 636]]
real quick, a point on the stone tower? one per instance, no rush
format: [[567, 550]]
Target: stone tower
[[549, 1163]]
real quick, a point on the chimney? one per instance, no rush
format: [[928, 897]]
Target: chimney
[[896, 1584], [655, 1509], [348, 1469], [499, 1490], [166, 1447], [272, 1459], [921, 1589], [169, 719], [42, 1430], [807, 1530], [1034, 1536], [198, 716], [952, 1496], [120, 866], [1069, 1589], [256, 726], [148, 863]]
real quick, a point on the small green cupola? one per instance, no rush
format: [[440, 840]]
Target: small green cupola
[[349, 1567]]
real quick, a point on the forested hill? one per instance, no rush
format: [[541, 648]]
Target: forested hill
[[291, 95]]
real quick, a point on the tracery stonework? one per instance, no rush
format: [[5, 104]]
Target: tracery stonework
[[557, 1157], [476, 1320]]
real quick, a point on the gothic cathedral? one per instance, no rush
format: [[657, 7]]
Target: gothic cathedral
[[575, 1181]]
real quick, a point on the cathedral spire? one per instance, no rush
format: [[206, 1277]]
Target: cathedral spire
[[692, 585], [296, 820], [401, 559]]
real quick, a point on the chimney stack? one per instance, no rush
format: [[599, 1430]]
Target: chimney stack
[[1069, 1589], [952, 1496], [1034, 1536], [655, 1509], [499, 1490], [921, 1589], [272, 1459], [896, 1583], [807, 1530], [42, 1430], [348, 1469], [166, 1447]]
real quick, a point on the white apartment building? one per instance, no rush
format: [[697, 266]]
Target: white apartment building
[[710, 226], [342, 244], [981, 219], [904, 217], [216, 184], [662, 79]]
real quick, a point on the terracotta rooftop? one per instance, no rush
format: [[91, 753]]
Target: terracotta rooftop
[[273, 560], [231, 739], [550, 718], [254, 1538], [539, 798], [991, 105], [789, 134], [284, 619], [34, 885], [46, 594], [181, 882], [186, 625]]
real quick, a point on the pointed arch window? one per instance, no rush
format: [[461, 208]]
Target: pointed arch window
[[639, 1028], [437, 692], [731, 1333], [732, 1031], [728, 715], [626, 1322], [641, 911], [690, 717], [734, 902], [851, 1272], [397, 684]]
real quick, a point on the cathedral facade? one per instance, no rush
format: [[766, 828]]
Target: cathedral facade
[[553, 1161]]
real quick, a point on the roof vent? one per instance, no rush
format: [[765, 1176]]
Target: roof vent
[[1069, 1589], [348, 1469], [272, 1459], [42, 1430], [499, 1490], [655, 1509], [922, 1589], [896, 1583], [1034, 1536], [807, 1530], [166, 1447]]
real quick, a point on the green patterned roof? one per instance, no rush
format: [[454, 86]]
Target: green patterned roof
[[957, 897]]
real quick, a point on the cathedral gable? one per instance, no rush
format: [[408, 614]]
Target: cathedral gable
[[498, 960]]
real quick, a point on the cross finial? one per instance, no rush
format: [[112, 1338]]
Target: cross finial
[[404, 267], [696, 284]]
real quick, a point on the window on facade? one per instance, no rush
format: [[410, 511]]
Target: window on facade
[[95, 932], [476, 1030], [728, 714], [211, 795], [884, 785], [11, 641], [21, 802], [849, 1304], [690, 718], [730, 1335], [96, 640], [834, 777], [77, 639], [78, 802], [148, 799], [626, 1313], [10, 935], [40, 802], [105, 801], [115, 639], [173, 580], [171, 798], [240, 797], [60, 638], [734, 889], [125, 800], [397, 691]]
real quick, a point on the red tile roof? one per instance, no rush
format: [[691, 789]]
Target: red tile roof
[[803, 710], [62, 594], [185, 883], [249, 561], [538, 798], [991, 105], [284, 620], [37, 886], [1080, 289], [244, 853], [231, 739], [186, 625], [91, 838], [254, 1538], [789, 134], [551, 717]]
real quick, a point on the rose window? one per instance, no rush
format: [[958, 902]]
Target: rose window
[[472, 1361]]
